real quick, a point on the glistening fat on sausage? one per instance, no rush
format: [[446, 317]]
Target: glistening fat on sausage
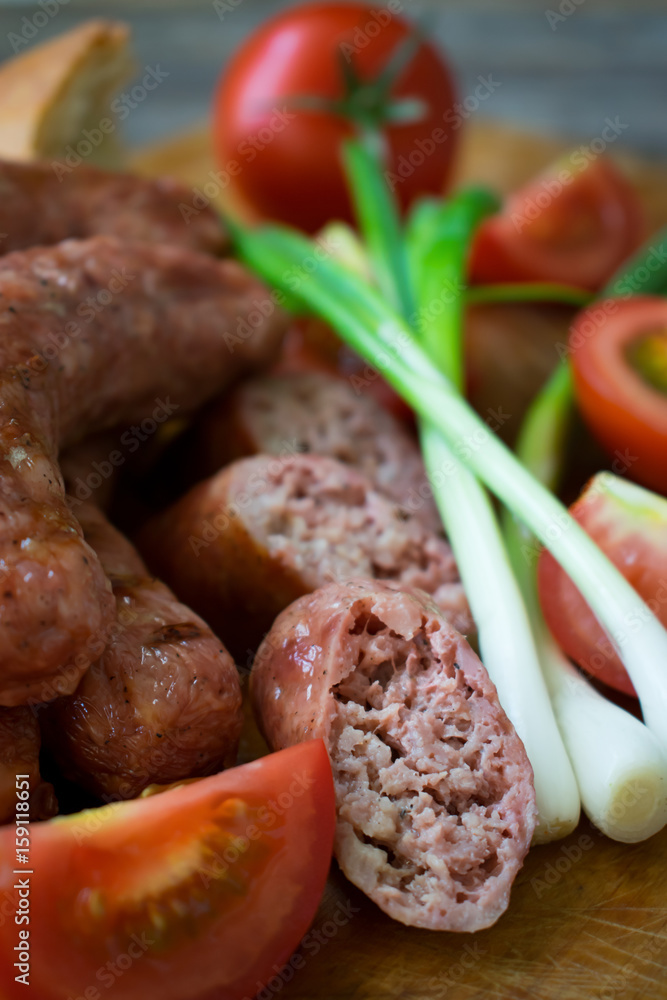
[[161, 703], [434, 791], [94, 333]]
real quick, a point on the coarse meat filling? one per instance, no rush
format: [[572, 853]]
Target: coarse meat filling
[[310, 412], [421, 774], [324, 520]]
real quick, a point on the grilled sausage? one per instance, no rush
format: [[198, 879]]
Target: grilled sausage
[[310, 412], [19, 762], [162, 703], [435, 800], [95, 334], [38, 207], [241, 546]]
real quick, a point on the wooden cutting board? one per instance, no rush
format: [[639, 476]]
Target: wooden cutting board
[[588, 917]]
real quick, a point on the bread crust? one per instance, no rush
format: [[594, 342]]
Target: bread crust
[[38, 113]]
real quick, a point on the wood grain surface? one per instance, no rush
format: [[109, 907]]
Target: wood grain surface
[[588, 917]]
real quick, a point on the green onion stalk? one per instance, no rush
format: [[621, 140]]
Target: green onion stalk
[[458, 442], [428, 268]]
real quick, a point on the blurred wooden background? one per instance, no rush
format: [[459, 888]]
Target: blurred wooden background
[[604, 59]]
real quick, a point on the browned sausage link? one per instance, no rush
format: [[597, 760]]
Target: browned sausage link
[[163, 702], [310, 412], [96, 333], [19, 768], [38, 208], [434, 792], [240, 546]]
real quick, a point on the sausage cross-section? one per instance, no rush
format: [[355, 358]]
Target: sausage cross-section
[[434, 791], [311, 412], [241, 546]]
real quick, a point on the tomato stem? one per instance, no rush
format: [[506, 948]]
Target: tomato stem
[[368, 104]]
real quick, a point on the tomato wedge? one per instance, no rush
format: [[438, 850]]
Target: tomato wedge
[[630, 526], [574, 225], [618, 353], [201, 891]]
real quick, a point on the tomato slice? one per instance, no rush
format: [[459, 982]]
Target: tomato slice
[[201, 891], [630, 526], [573, 225], [618, 353]]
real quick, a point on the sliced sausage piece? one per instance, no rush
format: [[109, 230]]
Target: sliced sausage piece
[[95, 334], [310, 412], [19, 762], [434, 791], [163, 701], [40, 206], [242, 545]]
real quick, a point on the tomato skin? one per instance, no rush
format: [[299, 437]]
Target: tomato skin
[[260, 919], [630, 526], [288, 164], [577, 233], [625, 413]]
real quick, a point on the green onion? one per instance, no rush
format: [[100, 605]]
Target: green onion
[[374, 330], [380, 224], [645, 273], [620, 767], [439, 243], [530, 291], [440, 240]]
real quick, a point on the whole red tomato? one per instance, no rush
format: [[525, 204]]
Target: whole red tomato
[[279, 124]]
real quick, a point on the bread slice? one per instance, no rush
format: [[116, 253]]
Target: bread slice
[[53, 92]]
